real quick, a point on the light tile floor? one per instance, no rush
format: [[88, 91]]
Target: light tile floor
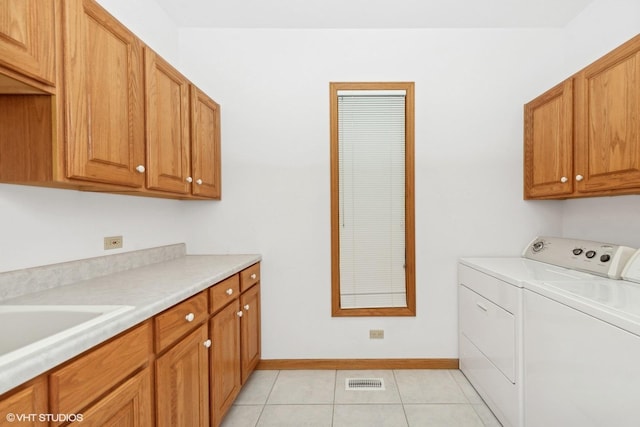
[[412, 398]]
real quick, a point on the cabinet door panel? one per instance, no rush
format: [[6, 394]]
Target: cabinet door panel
[[28, 399], [205, 145], [182, 383], [250, 333], [167, 101], [104, 93], [128, 405], [27, 38], [609, 108], [548, 143], [225, 360]]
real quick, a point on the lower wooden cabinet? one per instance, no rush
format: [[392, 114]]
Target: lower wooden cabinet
[[128, 405], [201, 359], [30, 398], [225, 360], [250, 331], [182, 382]]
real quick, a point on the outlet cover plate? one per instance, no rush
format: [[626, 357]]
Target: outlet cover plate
[[376, 334], [113, 242]]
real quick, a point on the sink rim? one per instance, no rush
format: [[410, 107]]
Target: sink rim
[[107, 311]]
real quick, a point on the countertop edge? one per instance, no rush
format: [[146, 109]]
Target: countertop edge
[[16, 373]]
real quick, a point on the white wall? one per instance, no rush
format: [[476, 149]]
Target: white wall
[[42, 226], [600, 28], [273, 86], [149, 22]]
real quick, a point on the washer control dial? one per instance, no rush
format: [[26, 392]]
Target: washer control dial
[[605, 258], [590, 254], [577, 251], [538, 246]]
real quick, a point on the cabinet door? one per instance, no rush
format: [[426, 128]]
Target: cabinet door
[[548, 143], [225, 360], [28, 399], [608, 128], [250, 330], [182, 382], [128, 405], [205, 145], [104, 110], [27, 38], [167, 110]]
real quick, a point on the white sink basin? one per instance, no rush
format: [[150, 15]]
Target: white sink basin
[[26, 329]]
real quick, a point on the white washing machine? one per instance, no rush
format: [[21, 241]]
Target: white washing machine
[[491, 312], [582, 351]]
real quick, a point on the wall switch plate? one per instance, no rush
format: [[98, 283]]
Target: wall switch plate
[[113, 242], [376, 334]]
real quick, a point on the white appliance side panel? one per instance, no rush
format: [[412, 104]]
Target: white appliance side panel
[[578, 370], [501, 293], [491, 329], [500, 394]]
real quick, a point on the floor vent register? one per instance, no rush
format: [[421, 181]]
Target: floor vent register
[[364, 384]]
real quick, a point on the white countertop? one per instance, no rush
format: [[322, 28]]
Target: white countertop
[[149, 289]]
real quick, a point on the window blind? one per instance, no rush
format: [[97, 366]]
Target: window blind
[[371, 168]]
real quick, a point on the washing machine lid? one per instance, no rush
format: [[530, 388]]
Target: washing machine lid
[[614, 301]]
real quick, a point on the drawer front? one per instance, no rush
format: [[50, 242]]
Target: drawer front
[[501, 293], [222, 293], [490, 328], [180, 319], [500, 394], [249, 277], [89, 376]]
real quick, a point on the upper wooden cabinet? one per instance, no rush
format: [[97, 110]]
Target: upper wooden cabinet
[[582, 137], [205, 145], [27, 38], [104, 97], [608, 122], [548, 143], [92, 131], [167, 125]]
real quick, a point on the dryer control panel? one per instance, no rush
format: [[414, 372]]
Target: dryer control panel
[[602, 259]]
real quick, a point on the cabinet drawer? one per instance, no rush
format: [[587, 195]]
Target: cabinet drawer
[[249, 277], [179, 320], [490, 328], [91, 375], [223, 292]]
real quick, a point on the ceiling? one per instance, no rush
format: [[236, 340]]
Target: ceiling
[[373, 13]]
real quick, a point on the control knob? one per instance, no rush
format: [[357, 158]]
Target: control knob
[[590, 254], [537, 246], [577, 251], [605, 258]]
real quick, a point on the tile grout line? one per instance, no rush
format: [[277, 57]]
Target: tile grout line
[[404, 411], [267, 398]]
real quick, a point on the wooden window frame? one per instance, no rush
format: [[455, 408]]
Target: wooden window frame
[[410, 309]]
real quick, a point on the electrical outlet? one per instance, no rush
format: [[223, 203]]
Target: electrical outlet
[[113, 242], [376, 334]]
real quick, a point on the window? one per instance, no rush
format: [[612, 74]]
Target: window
[[372, 201]]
